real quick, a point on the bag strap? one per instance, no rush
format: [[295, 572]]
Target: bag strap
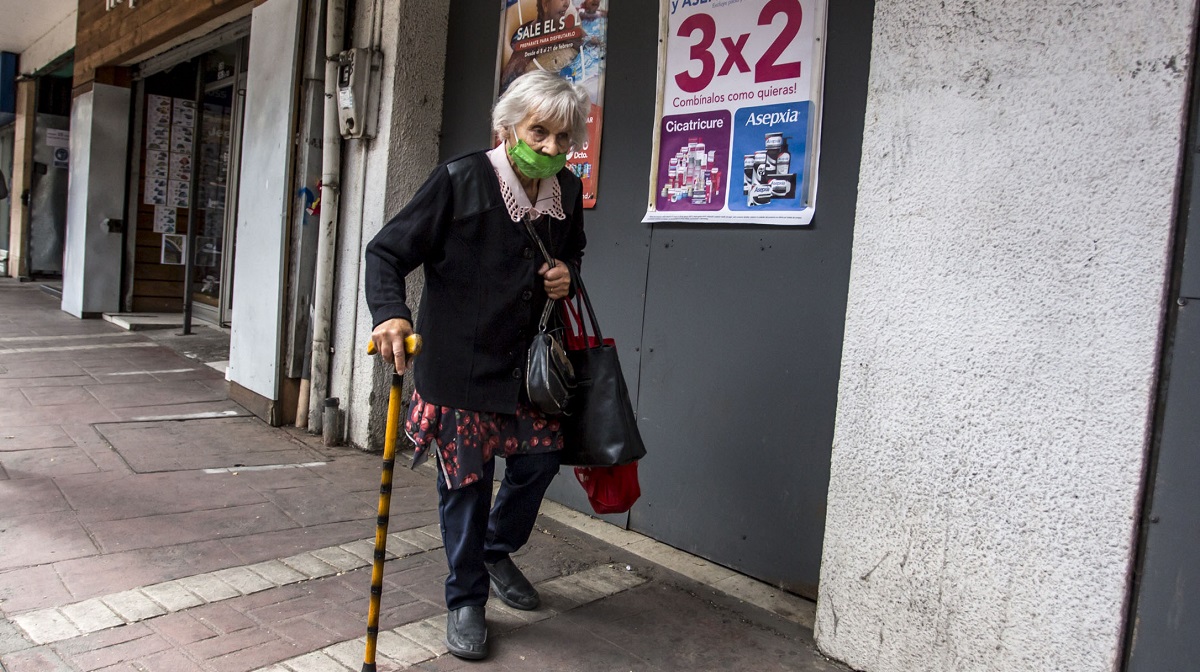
[[538, 239], [584, 302], [550, 303], [576, 280]]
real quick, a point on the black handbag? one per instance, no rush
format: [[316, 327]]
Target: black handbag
[[600, 428], [549, 374]]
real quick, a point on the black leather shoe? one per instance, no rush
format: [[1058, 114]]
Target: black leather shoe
[[512, 587], [466, 633]]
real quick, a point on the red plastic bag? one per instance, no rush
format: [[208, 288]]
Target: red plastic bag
[[610, 489]]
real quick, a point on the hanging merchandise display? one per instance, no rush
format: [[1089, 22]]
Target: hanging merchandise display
[[568, 37], [739, 92]]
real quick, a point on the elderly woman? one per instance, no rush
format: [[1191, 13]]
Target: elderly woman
[[485, 285]]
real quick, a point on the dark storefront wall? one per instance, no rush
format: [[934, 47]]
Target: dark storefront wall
[[730, 336]]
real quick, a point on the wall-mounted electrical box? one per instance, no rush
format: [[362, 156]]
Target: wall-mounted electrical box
[[358, 91]]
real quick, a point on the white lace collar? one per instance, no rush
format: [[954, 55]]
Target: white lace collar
[[549, 197]]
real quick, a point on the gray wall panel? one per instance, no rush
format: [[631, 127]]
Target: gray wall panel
[[742, 349]]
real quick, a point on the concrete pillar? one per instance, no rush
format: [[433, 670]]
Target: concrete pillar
[[92, 256], [18, 232], [264, 203], [1014, 226], [379, 177]]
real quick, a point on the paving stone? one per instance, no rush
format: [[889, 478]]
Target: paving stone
[[315, 662], [570, 591], [46, 462], [309, 565], [509, 618], [243, 580], [429, 633], [46, 626], [765, 597], [43, 538], [173, 529], [267, 545], [420, 539], [339, 557], [12, 638], [363, 549], [172, 596], [40, 659], [618, 576], [254, 657], [209, 588], [133, 606], [168, 661], [92, 615], [222, 645], [73, 648], [350, 654], [32, 588], [402, 649], [340, 623], [399, 548], [125, 652], [604, 580], [34, 438], [182, 628], [31, 496], [276, 572]]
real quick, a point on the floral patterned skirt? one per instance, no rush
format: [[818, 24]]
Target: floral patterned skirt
[[466, 440]]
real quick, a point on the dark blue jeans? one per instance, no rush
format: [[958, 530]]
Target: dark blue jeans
[[473, 537]]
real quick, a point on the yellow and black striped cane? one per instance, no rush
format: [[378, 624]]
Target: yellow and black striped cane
[[412, 347]]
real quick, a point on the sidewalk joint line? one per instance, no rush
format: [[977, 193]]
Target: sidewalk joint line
[[140, 373], [76, 348], [49, 625], [264, 467], [9, 339]]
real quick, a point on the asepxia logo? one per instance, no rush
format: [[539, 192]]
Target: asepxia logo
[[676, 4], [773, 118]]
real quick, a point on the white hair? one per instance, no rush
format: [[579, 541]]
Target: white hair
[[548, 96]]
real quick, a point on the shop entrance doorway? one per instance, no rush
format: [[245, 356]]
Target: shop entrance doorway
[[185, 176], [220, 149]]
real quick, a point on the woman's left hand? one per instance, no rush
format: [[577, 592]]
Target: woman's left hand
[[557, 279]]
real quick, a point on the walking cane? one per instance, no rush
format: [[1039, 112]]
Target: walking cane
[[412, 347]]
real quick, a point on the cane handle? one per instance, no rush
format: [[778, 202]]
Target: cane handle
[[412, 345]]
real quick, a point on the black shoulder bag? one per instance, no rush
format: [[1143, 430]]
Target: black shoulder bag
[[549, 375]]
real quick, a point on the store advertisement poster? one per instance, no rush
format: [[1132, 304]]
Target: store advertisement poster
[[567, 37], [736, 137]]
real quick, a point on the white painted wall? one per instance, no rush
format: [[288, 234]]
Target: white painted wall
[[57, 41], [379, 178], [264, 198], [1010, 257], [91, 255]]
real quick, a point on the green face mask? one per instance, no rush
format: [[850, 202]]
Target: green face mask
[[534, 164]]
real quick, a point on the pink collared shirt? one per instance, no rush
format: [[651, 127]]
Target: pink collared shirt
[[549, 197]]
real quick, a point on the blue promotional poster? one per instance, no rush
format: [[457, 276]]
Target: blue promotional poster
[[736, 138]]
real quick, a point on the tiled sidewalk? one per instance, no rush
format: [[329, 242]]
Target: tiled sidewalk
[[148, 523]]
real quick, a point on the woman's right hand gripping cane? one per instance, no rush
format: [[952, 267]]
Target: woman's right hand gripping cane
[[395, 341]]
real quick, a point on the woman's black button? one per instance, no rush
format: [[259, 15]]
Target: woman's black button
[[527, 253], [527, 294], [516, 373]]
